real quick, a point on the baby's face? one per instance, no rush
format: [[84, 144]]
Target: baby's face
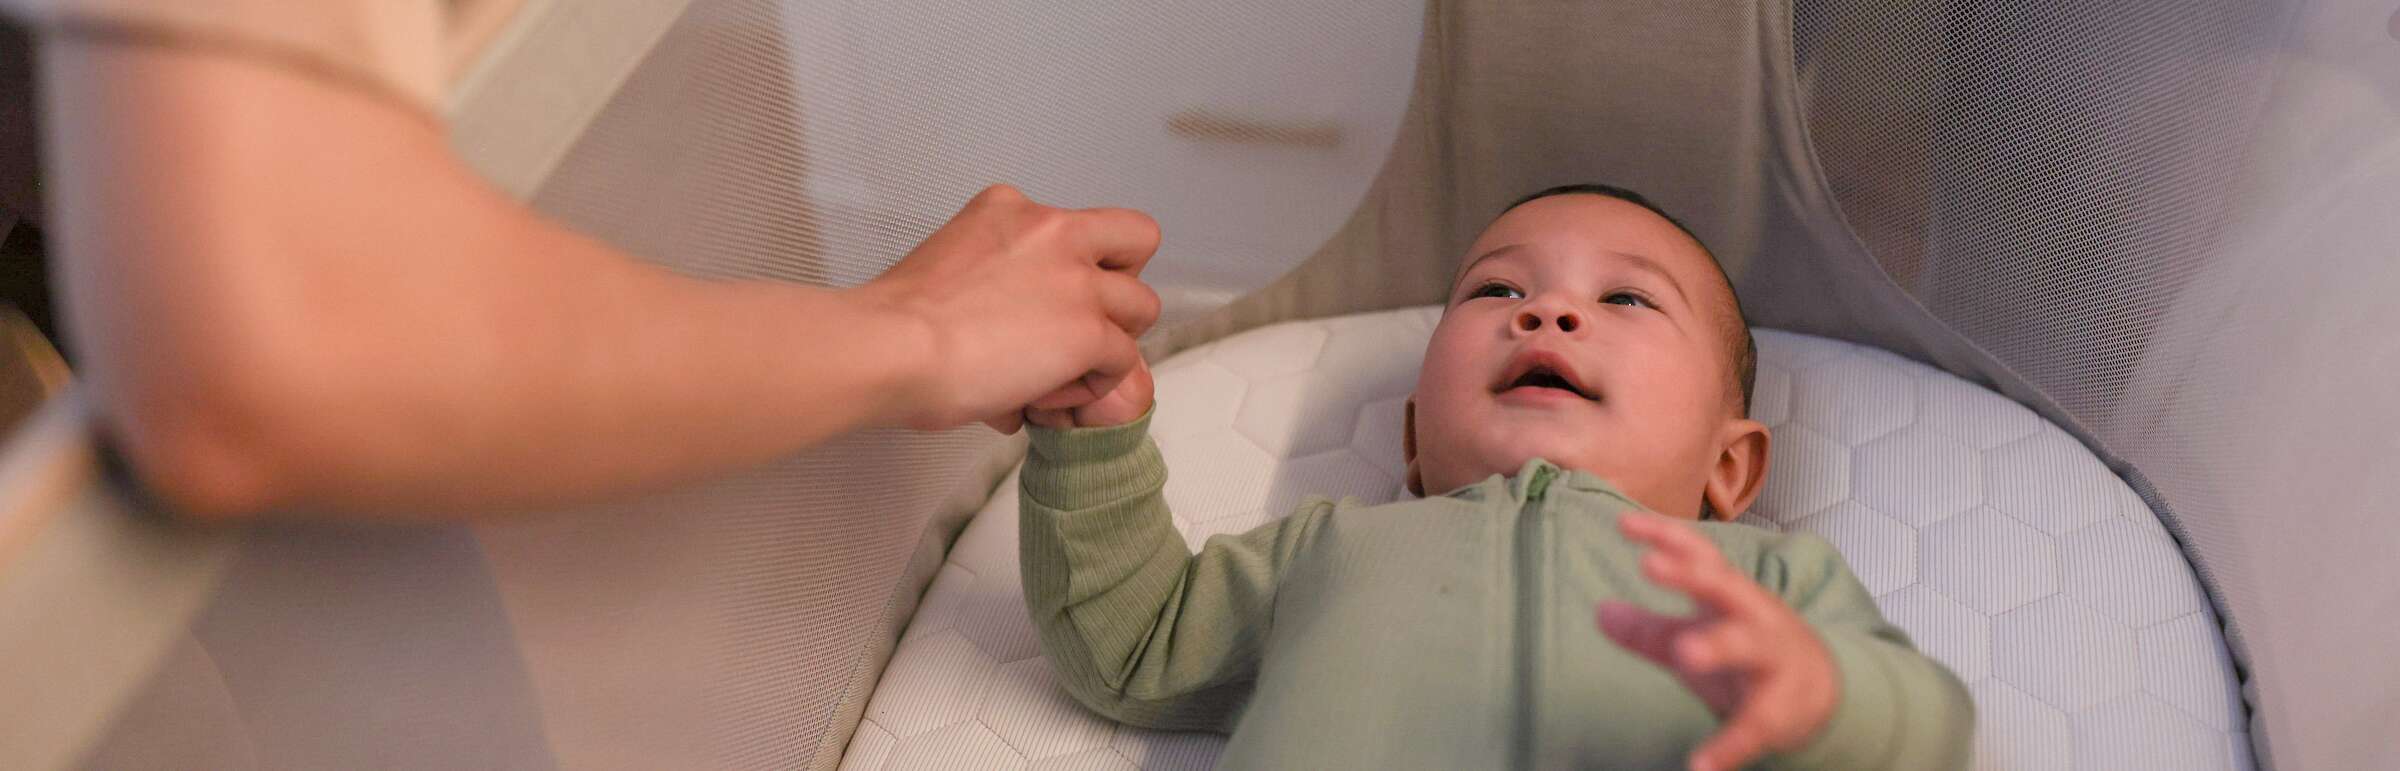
[[1586, 331]]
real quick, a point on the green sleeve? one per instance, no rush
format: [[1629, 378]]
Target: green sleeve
[[1899, 708], [1137, 627]]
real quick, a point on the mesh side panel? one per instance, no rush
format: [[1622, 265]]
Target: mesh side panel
[[820, 142], [2047, 180], [800, 583], [2159, 217], [2045, 177]]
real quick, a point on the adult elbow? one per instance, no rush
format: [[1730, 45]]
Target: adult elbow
[[214, 452]]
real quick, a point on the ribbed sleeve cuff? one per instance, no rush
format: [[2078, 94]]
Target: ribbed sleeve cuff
[[1080, 468]]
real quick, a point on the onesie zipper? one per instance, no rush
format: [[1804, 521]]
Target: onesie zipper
[[1529, 614], [1540, 483]]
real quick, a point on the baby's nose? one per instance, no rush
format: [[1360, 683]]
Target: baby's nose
[[1565, 321]]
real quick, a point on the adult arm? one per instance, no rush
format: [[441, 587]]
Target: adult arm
[[288, 293]]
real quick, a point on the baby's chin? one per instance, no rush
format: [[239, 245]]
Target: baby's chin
[[1506, 456], [1564, 443]]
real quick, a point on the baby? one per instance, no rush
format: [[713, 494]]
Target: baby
[[1581, 413]]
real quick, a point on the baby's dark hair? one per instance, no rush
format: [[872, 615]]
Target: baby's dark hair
[[1741, 349]]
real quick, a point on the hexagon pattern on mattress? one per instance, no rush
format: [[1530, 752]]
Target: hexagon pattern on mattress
[[2003, 547]]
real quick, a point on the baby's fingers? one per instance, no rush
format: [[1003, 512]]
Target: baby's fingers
[[1753, 731], [1719, 647], [1781, 711], [1674, 539], [1651, 635], [1741, 740], [1712, 584]]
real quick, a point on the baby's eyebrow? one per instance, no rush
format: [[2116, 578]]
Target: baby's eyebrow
[[1470, 266], [1645, 263], [1640, 262]]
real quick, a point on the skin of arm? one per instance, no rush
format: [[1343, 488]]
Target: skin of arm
[[290, 294]]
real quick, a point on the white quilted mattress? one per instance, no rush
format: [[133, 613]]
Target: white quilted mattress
[[2002, 546]]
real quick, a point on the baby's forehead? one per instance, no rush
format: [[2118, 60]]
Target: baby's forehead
[[1590, 227], [1673, 263], [1599, 228]]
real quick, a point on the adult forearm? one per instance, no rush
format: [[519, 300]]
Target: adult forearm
[[288, 293], [597, 381]]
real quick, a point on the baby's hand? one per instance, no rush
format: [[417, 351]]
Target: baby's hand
[[1756, 664], [1119, 406]]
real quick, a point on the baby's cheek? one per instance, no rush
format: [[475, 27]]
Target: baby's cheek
[[1461, 453]]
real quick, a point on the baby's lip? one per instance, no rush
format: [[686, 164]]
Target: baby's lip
[[1533, 362]]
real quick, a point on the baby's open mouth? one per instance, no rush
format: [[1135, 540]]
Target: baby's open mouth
[[1542, 376]]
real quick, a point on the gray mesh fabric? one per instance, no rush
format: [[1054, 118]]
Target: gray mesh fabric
[[2110, 200]]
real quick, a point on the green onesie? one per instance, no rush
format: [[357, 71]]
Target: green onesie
[[1447, 632]]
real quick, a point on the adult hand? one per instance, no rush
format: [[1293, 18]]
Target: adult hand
[[1021, 304], [1746, 654], [1128, 402]]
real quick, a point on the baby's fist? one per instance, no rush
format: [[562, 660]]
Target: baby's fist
[[1124, 404]]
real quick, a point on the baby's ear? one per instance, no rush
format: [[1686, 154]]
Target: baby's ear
[[1408, 446], [1740, 470]]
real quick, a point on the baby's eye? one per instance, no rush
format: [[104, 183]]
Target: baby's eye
[[1627, 298], [1495, 289]]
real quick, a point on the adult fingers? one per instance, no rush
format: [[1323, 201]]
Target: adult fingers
[[1050, 418], [1117, 357], [1075, 393], [1001, 196], [1118, 239], [1101, 385], [1113, 238], [1130, 304]]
